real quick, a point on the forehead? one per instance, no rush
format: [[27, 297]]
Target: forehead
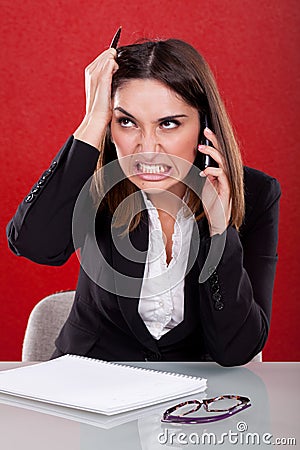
[[149, 93]]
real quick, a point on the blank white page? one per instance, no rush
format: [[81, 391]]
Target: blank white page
[[95, 385]]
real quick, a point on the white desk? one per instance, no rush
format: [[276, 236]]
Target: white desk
[[274, 414]]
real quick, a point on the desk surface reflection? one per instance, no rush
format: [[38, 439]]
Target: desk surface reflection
[[273, 417]]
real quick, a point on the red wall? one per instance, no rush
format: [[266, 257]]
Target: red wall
[[252, 48]]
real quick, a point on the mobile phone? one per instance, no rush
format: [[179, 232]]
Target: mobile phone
[[205, 160]]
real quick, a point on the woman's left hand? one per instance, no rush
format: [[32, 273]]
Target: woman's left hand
[[216, 196]]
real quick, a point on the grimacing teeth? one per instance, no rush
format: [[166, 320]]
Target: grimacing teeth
[[152, 168]]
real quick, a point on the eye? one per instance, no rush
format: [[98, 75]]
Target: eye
[[169, 124], [125, 122]]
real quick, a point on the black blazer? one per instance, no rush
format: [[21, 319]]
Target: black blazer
[[226, 317]]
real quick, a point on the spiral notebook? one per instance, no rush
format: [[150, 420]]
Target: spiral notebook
[[95, 385]]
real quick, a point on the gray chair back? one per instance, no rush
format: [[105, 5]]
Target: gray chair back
[[44, 324], [257, 358]]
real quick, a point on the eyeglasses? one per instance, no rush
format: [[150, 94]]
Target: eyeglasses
[[211, 405]]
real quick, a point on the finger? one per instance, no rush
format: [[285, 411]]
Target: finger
[[102, 74], [216, 173], [213, 152], [211, 137], [101, 80], [107, 69], [98, 87], [110, 53], [212, 171], [99, 64]]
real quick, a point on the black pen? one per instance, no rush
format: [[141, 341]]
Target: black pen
[[116, 38]]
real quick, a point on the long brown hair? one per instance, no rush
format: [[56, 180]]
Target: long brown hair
[[180, 67]]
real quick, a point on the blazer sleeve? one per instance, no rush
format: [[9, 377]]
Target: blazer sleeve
[[236, 317], [41, 229]]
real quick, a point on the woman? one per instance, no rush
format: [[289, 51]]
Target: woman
[[178, 260]]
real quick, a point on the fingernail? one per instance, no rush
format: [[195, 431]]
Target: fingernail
[[202, 174], [208, 130], [201, 147]]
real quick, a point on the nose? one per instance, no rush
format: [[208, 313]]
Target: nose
[[149, 142]]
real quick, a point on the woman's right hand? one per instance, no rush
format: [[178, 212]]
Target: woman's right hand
[[98, 80]]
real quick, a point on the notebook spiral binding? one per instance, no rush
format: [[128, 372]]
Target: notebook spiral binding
[[173, 374]]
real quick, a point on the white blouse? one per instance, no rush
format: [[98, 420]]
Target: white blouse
[[161, 304]]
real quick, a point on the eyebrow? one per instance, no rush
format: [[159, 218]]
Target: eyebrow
[[175, 116]]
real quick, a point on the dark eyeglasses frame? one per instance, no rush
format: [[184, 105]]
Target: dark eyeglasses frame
[[244, 403]]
